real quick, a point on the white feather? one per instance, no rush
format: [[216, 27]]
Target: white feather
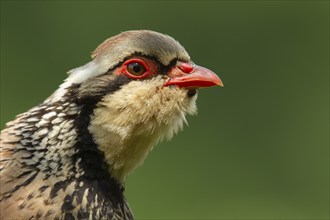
[[77, 76], [127, 124]]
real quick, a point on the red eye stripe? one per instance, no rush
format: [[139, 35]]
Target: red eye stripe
[[144, 68]]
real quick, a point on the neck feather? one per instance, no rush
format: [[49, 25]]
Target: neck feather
[[127, 124]]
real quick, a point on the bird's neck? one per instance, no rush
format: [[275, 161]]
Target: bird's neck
[[126, 126], [68, 147], [55, 151], [89, 170], [114, 134]]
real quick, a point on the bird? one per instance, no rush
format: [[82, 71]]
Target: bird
[[68, 157]]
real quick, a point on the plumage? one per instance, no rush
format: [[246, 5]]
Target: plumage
[[68, 157]]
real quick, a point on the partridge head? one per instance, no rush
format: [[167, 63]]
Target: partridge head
[[68, 157]]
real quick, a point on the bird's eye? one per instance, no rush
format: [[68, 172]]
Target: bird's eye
[[136, 69]]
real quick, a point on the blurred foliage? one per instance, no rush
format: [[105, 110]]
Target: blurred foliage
[[259, 147]]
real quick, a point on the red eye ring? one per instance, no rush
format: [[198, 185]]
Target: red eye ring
[[138, 74]]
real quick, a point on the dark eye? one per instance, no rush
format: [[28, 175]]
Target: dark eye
[[136, 69]]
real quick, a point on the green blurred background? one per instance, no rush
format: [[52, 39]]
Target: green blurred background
[[259, 147]]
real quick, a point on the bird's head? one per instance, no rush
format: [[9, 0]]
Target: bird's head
[[140, 85]]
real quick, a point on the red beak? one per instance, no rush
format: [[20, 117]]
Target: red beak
[[186, 75]]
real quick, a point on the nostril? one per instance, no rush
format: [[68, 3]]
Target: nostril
[[185, 67]]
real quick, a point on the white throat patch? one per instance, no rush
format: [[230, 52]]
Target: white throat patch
[[128, 123]]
